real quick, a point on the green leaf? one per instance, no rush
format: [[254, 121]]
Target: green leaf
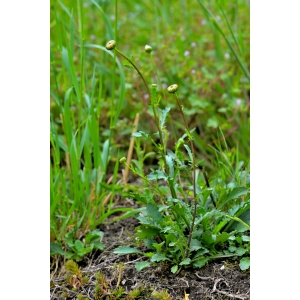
[[142, 265], [163, 115], [129, 214], [244, 263], [232, 248], [186, 261], [126, 250], [56, 249], [189, 152], [246, 238], [199, 263], [158, 246], [212, 122], [223, 237], [208, 237], [70, 255], [147, 233], [80, 249], [240, 251], [195, 245], [236, 192], [233, 210], [149, 254], [170, 163], [158, 257], [94, 235], [201, 252], [174, 269], [129, 66], [78, 245], [98, 245], [153, 212], [218, 228], [143, 134], [157, 175]]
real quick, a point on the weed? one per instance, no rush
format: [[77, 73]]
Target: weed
[[133, 294], [74, 276], [90, 116], [183, 232], [161, 295]]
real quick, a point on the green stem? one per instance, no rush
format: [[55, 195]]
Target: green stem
[[156, 73], [194, 175], [146, 179], [163, 92], [132, 63], [207, 184], [173, 193], [238, 220]]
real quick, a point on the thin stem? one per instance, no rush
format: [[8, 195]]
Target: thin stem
[[156, 119], [145, 178], [156, 73], [207, 184], [149, 93], [130, 61], [194, 176], [163, 92]]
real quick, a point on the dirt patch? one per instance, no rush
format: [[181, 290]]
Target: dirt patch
[[217, 280]]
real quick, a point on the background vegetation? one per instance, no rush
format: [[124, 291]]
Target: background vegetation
[[203, 46]]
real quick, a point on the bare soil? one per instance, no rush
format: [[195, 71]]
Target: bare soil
[[217, 280]]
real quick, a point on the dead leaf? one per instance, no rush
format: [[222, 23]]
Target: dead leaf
[[186, 296]]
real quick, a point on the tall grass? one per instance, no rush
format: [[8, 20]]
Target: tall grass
[[80, 151]]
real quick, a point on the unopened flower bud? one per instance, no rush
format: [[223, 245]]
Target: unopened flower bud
[[172, 88], [122, 160], [148, 49], [110, 45], [154, 85]]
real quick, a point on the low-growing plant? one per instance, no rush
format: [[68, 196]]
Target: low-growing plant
[[161, 295], [133, 294], [74, 276], [186, 221], [77, 249]]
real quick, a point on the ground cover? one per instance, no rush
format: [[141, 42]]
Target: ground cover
[[218, 280], [178, 161]]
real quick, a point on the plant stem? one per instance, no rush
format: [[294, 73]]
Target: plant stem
[[207, 184], [194, 176], [130, 61], [163, 92], [156, 73], [146, 179], [156, 119]]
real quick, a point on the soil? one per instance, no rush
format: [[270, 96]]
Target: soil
[[217, 280]]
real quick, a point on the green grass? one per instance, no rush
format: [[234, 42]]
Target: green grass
[[202, 46]]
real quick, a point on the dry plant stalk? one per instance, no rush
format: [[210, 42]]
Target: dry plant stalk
[[130, 150]]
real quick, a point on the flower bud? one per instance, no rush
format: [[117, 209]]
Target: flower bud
[[122, 160], [148, 49], [110, 45], [173, 88], [154, 85]]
